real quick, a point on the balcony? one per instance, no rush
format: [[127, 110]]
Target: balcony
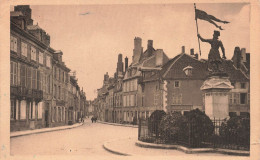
[[60, 103], [37, 94], [23, 92]]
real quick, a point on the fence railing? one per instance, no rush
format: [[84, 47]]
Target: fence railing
[[151, 134]]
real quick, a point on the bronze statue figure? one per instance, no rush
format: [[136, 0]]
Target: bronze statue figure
[[214, 59]]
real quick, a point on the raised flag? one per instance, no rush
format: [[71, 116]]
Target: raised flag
[[199, 14]]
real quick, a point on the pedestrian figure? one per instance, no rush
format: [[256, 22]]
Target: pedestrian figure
[[214, 59], [92, 119]]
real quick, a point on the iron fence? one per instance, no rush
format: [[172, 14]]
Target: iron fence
[[151, 134]]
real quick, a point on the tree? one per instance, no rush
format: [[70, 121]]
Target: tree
[[171, 126], [154, 121], [236, 130], [200, 127]]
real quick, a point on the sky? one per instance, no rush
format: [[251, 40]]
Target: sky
[[92, 36]]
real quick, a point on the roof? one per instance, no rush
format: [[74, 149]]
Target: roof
[[174, 69], [234, 73]]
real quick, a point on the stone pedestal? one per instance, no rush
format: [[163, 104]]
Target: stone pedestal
[[216, 88]]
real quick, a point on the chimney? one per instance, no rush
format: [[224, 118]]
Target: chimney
[[126, 63], [248, 58], [192, 51], [120, 64], [26, 11], [196, 56], [159, 57], [150, 47], [138, 50], [243, 55], [237, 57], [183, 49], [106, 77]]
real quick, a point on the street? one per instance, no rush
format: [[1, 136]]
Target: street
[[88, 140], [84, 140]]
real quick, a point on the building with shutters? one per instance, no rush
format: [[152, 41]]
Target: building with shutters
[[41, 88], [31, 72]]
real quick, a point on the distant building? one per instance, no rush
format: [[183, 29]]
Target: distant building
[[143, 63]]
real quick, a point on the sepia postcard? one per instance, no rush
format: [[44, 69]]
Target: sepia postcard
[[129, 79]]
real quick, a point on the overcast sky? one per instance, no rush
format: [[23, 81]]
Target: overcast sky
[[91, 36]]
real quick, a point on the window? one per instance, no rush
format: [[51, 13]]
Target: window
[[13, 76], [24, 49], [54, 72], [13, 110], [177, 99], [33, 53], [40, 57], [54, 92], [23, 76], [34, 79], [53, 114], [63, 76], [48, 84], [59, 93], [234, 98], [188, 70], [243, 99], [39, 110], [13, 44], [48, 61], [176, 84], [23, 110], [243, 85], [40, 78], [156, 97], [29, 78]]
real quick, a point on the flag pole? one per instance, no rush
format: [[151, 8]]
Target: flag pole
[[197, 27]]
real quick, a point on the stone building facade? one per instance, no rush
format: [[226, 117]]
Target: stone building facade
[[39, 79]]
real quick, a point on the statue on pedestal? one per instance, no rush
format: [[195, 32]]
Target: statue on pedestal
[[214, 59]]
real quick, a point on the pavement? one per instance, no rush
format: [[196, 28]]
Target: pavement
[[42, 130], [119, 124]]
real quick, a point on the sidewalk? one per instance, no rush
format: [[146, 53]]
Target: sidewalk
[[132, 147], [42, 130], [118, 124]]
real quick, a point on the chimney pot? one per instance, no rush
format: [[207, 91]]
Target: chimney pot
[[183, 49], [197, 56], [126, 63], [192, 51]]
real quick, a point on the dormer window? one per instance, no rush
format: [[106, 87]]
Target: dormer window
[[188, 70]]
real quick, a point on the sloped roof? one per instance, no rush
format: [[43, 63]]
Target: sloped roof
[[234, 73], [174, 69]]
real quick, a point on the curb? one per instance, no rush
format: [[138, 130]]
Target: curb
[[43, 131], [117, 124], [105, 146], [190, 151]]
